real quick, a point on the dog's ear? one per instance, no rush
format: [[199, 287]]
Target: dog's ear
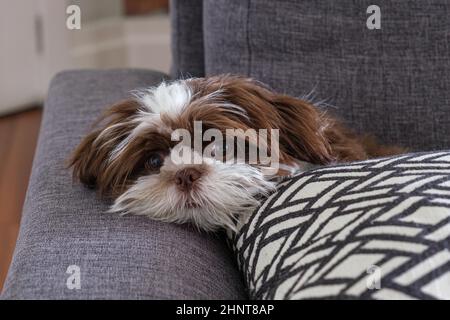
[[302, 130], [90, 160], [302, 127]]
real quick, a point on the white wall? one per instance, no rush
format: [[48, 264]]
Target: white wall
[[106, 40], [18, 58], [138, 42], [33, 47]]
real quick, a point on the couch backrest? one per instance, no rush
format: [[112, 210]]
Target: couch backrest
[[187, 38], [393, 82]]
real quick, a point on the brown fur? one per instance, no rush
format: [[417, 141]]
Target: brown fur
[[306, 133], [89, 160]]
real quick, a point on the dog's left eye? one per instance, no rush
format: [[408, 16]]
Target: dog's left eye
[[154, 161]]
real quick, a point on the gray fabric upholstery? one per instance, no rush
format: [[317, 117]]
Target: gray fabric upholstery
[[393, 82], [66, 224], [187, 38]]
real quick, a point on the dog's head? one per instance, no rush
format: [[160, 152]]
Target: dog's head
[[139, 153]]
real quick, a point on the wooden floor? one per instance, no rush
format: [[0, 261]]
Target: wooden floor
[[18, 137]]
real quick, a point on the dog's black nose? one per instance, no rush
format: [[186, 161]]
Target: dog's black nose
[[185, 178]]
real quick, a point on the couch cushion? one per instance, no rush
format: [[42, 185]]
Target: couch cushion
[[65, 226], [378, 229], [393, 82]]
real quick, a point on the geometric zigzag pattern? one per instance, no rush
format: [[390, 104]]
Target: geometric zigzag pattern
[[376, 229]]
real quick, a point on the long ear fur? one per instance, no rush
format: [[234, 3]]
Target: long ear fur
[[302, 127], [306, 132], [303, 130], [324, 139], [90, 158]]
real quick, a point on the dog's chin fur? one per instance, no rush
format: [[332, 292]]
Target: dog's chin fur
[[111, 157], [221, 197]]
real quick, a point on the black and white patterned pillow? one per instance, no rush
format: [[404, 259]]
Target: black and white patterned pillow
[[377, 229]]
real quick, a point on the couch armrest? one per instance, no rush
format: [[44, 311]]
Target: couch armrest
[[64, 224]]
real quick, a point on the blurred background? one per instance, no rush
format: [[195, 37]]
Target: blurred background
[[114, 33], [35, 45]]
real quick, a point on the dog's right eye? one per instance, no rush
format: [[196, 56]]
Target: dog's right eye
[[154, 161]]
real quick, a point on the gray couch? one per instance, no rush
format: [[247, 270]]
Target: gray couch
[[392, 82]]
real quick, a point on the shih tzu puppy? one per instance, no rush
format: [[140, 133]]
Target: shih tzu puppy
[[136, 156]]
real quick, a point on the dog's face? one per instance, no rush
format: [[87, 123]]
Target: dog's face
[[133, 156]]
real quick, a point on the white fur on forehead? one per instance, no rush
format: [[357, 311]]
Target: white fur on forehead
[[165, 98], [170, 98]]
